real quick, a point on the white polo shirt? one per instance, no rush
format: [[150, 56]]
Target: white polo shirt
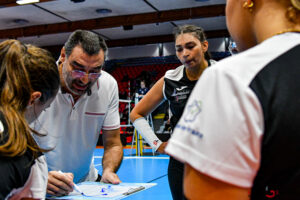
[[73, 130]]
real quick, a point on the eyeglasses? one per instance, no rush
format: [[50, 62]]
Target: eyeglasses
[[80, 74]]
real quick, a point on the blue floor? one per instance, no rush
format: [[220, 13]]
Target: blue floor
[[142, 169]]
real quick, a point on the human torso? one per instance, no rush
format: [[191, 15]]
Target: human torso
[[143, 91], [277, 87], [73, 128], [177, 89], [244, 130]]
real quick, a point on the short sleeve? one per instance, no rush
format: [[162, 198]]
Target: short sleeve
[[220, 131], [112, 118]]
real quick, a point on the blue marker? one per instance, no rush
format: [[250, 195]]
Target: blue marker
[[75, 187]]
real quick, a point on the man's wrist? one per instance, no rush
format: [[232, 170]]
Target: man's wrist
[[108, 170]]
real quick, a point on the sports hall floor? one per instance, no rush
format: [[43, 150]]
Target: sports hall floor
[[142, 169]]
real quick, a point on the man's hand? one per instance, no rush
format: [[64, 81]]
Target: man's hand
[[112, 157], [59, 184], [110, 177], [161, 148]]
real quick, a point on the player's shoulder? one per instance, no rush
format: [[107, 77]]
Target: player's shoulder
[[108, 78], [238, 68], [175, 74]]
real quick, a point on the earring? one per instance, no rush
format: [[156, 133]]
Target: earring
[[249, 5], [296, 4], [291, 14]]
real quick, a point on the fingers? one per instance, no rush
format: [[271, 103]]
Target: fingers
[[70, 175], [110, 177], [59, 184]]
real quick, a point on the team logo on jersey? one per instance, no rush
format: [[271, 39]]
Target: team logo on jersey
[[193, 109], [181, 88], [189, 130], [271, 193], [181, 93]]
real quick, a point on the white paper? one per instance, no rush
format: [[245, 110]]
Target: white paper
[[102, 190]]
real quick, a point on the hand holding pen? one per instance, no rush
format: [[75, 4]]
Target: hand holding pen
[[75, 187], [59, 184]]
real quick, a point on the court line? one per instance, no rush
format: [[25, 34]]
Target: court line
[[137, 157]]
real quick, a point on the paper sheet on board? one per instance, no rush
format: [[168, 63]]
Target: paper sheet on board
[[96, 190]]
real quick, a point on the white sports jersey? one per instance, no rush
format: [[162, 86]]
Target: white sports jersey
[[73, 130], [224, 123]]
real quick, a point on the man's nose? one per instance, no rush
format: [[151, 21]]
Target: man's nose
[[85, 79]]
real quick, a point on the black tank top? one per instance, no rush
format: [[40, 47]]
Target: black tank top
[[177, 89]]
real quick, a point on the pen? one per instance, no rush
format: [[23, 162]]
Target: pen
[[75, 187], [134, 190]]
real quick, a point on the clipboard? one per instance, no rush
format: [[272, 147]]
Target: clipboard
[[103, 191]]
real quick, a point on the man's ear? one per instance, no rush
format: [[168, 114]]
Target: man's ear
[[63, 55], [36, 95], [204, 46]]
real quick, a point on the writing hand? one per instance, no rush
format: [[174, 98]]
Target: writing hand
[[59, 184]]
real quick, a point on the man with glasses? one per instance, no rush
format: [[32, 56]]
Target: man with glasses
[[87, 103]]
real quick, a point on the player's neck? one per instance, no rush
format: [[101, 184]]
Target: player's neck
[[194, 73]]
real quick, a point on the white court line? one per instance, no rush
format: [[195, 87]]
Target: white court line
[[138, 157]]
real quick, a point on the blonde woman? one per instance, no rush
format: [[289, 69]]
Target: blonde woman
[[29, 81]]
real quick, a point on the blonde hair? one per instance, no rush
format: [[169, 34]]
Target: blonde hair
[[23, 69]]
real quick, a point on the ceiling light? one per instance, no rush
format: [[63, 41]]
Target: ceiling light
[[22, 2], [103, 11]]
